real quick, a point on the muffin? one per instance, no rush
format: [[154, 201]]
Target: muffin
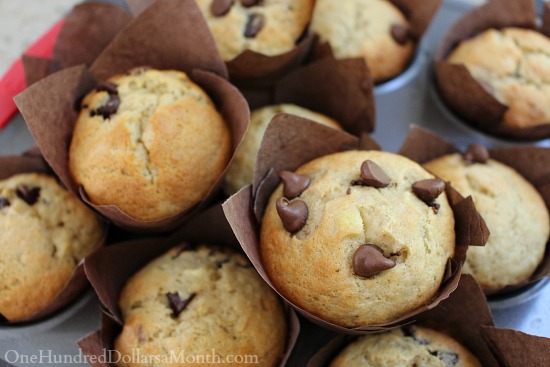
[[513, 210], [269, 27], [150, 142], [408, 346], [373, 29], [241, 169], [46, 232], [358, 238], [513, 65], [194, 299]]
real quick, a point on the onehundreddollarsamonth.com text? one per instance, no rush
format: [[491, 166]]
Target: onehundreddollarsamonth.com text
[[48, 356]]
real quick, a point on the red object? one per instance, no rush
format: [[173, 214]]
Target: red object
[[13, 82]]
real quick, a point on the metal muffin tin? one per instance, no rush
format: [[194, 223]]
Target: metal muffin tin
[[411, 98]]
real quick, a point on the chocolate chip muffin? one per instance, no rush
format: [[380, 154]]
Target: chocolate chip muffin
[[202, 301], [373, 29], [241, 169], [269, 27], [408, 346], [46, 232], [150, 142], [513, 210], [513, 65], [358, 238]]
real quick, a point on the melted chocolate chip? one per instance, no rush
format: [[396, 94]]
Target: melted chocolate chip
[[428, 190], [294, 184], [476, 153], [249, 3], [254, 25], [220, 263], [400, 33], [107, 87], [368, 260], [449, 358], [410, 332], [220, 7], [4, 202], [293, 214], [372, 175], [28, 195], [178, 304], [109, 108]]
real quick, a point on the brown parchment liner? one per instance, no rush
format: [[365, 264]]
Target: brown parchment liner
[[291, 141], [345, 93], [152, 39], [32, 162], [516, 349], [458, 88], [419, 14], [110, 268], [533, 163], [461, 316], [87, 30]]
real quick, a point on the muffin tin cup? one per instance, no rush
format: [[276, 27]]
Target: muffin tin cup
[[533, 163], [109, 269], [31, 162], [108, 21], [51, 120], [457, 87], [291, 141]]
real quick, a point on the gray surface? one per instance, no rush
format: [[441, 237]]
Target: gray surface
[[408, 99]]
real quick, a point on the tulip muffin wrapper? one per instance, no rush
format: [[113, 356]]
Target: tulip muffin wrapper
[[290, 142], [458, 88], [109, 269], [533, 163], [86, 31], [32, 162], [48, 106]]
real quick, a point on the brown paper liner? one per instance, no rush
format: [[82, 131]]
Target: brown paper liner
[[419, 14], [516, 349], [31, 162], [152, 39], [110, 268], [533, 163], [87, 29], [458, 88], [291, 141], [462, 316]]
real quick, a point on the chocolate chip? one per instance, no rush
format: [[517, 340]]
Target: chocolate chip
[[249, 3], [28, 195], [4, 202], [220, 7], [372, 175], [348, 191], [177, 304], [476, 153], [293, 214], [109, 108], [410, 332], [220, 263], [368, 260], [254, 25], [428, 190], [449, 358], [294, 184], [400, 33], [107, 87]]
